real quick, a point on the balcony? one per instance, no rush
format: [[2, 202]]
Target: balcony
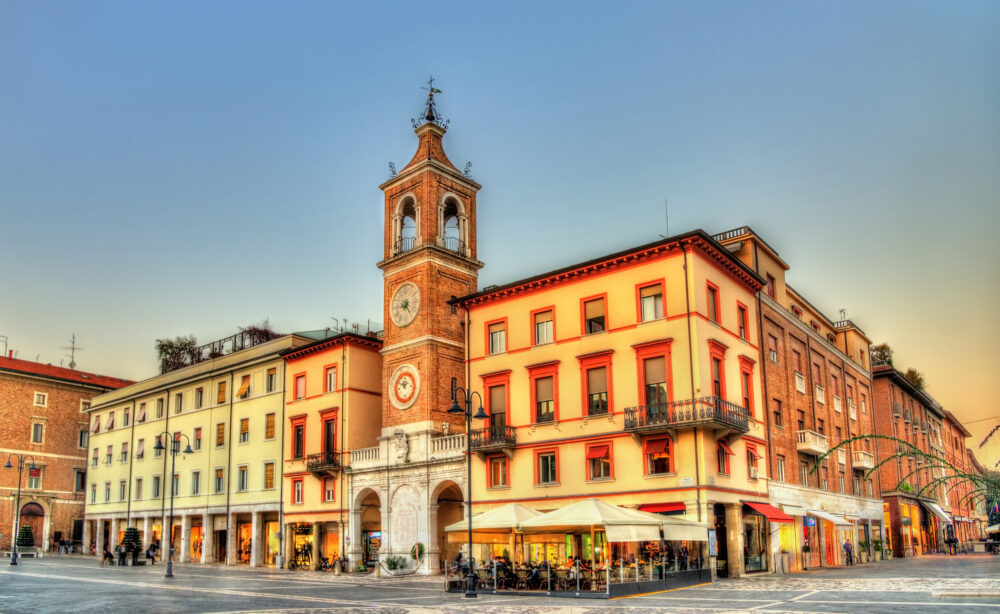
[[863, 460], [366, 458], [706, 411], [499, 438], [800, 383], [811, 442], [323, 463]]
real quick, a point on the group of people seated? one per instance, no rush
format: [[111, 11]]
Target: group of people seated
[[500, 572]]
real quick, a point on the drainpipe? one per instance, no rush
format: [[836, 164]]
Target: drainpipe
[[229, 462], [343, 447], [164, 483], [131, 458], [697, 452], [279, 561], [763, 372]]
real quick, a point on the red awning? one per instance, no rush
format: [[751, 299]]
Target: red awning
[[773, 514], [34, 473], [656, 446], [656, 508], [725, 447], [597, 452]]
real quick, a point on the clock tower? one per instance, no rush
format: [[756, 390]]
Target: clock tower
[[429, 258]]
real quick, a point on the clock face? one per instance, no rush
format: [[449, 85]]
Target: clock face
[[404, 386], [405, 304]]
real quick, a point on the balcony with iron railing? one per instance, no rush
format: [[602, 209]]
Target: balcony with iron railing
[[499, 438], [454, 244], [323, 463], [673, 415], [863, 460], [811, 442]]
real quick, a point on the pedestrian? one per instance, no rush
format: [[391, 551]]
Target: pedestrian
[[107, 558], [151, 554], [848, 552], [121, 554]]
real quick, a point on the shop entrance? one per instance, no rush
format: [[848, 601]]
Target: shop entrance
[[244, 532], [371, 527], [755, 527], [722, 546], [32, 515]]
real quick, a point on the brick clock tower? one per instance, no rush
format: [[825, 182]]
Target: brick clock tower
[[430, 258]]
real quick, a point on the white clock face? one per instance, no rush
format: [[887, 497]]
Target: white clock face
[[405, 304], [404, 387]]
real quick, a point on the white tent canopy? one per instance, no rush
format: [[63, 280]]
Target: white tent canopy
[[620, 524], [502, 518], [840, 522], [993, 528]]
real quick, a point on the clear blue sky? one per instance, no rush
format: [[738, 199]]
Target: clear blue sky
[[161, 162]]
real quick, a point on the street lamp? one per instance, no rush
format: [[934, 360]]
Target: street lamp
[[175, 447], [455, 408], [17, 512]]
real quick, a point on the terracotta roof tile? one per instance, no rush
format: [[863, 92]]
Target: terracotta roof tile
[[61, 373]]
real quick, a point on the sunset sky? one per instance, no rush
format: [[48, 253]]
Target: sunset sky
[[185, 168]]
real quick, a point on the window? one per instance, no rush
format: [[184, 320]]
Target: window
[[140, 449], [498, 406], [297, 491], [220, 396], [94, 459], [125, 416], [331, 379], [36, 432], [158, 447], [651, 303], [842, 482], [243, 479], [268, 475], [220, 480], [197, 439], [244, 390], [544, 404], [543, 327], [814, 325], [300, 387], [80, 481], [328, 490], [717, 378], [176, 489], [743, 321], [599, 462], [138, 488], [245, 430], [597, 391], [107, 492], [498, 337], [864, 403], [35, 478], [804, 474], [140, 415], [796, 359], [178, 402], [195, 482], [269, 426], [159, 408], [220, 435], [722, 454], [655, 373], [778, 418], [824, 482], [108, 455], [797, 311], [752, 462], [771, 283], [772, 348], [547, 468], [713, 303], [657, 453], [497, 476], [41, 399], [84, 405], [747, 390], [298, 440], [156, 487], [837, 430], [110, 424], [820, 425], [594, 319], [124, 457], [122, 488], [780, 469], [857, 485], [93, 493], [271, 379], [199, 397]]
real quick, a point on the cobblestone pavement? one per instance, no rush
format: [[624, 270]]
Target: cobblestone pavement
[[74, 584]]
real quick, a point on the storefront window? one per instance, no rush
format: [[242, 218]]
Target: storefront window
[[196, 541], [273, 545], [755, 542], [244, 530]]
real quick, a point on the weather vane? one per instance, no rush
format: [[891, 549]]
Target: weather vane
[[430, 110]]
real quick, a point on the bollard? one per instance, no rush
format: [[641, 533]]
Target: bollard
[[577, 564], [336, 567], [494, 575], [378, 569]]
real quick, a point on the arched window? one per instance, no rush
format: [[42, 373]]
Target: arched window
[[405, 226], [453, 223]]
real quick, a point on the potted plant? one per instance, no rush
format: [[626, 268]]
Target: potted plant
[[877, 550]]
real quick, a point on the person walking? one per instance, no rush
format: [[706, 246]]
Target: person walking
[[848, 552]]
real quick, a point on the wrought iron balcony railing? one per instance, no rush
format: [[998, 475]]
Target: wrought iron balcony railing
[[711, 411], [404, 244], [323, 462], [454, 244], [499, 437]]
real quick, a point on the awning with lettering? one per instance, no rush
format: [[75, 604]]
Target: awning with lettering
[[840, 522], [935, 509], [772, 513]]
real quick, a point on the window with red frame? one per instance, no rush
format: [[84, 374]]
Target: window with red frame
[[331, 379], [746, 386], [797, 361], [722, 454], [544, 399], [599, 462], [297, 491], [547, 469], [655, 372], [498, 406], [752, 462], [717, 378], [744, 323], [657, 453], [496, 476], [651, 302], [328, 490], [300, 386], [594, 317], [713, 303], [772, 348]]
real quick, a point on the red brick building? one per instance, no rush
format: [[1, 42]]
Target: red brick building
[[44, 419]]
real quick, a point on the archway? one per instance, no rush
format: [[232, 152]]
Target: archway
[[33, 515], [369, 510], [449, 500], [452, 226], [407, 227]]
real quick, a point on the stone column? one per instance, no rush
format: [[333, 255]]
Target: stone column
[[255, 540], [207, 539], [734, 539], [113, 539], [315, 545], [232, 557], [185, 554], [147, 530], [165, 531], [821, 536], [86, 535], [385, 515], [289, 544], [354, 529], [99, 529], [433, 554]]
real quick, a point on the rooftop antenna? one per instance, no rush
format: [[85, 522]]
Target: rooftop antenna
[[4, 339], [666, 209], [73, 349], [843, 314]]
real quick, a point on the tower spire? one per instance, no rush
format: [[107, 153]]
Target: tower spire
[[431, 115]]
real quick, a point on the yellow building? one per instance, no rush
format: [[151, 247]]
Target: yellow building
[[334, 406], [632, 378], [228, 405]]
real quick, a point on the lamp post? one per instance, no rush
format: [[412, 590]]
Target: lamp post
[[175, 447], [455, 408], [17, 506]]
